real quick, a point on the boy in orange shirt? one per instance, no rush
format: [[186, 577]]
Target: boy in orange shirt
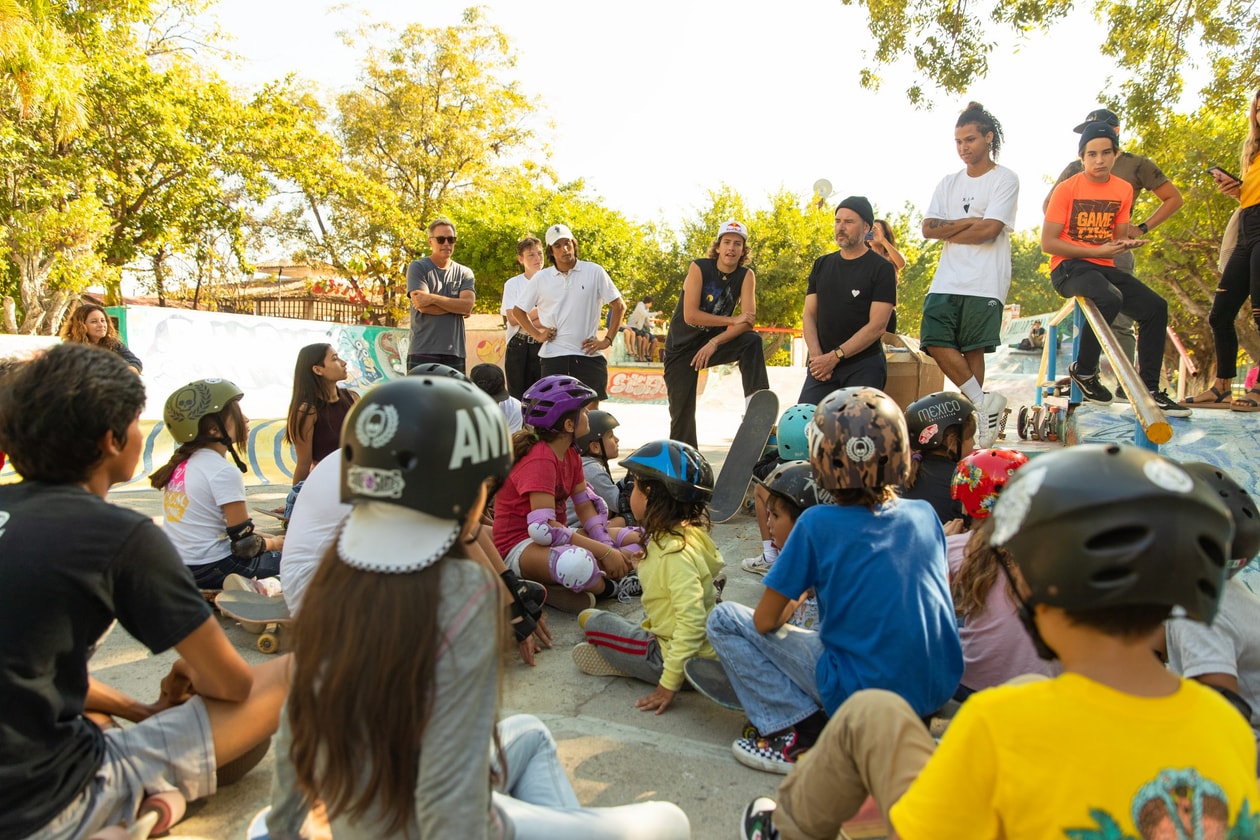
[[1082, 234]]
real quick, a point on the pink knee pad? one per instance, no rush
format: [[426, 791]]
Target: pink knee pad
[[574, 568]]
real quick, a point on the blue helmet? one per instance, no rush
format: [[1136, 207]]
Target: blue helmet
[[685, 473], [791, 432]]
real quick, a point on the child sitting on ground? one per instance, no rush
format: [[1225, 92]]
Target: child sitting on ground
[[72, 564], [490, 379], [878, 565], [203, 496], [599, 446], [790, 446], [942, 429], [994, 644], [1105, 540], [791, 490], [529, 532], [1225, 655], [672, 486]]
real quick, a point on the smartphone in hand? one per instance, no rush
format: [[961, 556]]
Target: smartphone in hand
[[1213, 170]]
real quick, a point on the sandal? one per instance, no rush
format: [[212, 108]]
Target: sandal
[[1248, 402], [1211, 398]]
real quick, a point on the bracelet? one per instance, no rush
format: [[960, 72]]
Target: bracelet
[[1143, 227], [605, 555]]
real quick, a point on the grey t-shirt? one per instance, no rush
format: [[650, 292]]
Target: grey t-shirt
[[438, 334]]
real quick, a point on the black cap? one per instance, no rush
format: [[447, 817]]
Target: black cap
[[489, 378], [859, 204], [1101, 115], [1094, 131]]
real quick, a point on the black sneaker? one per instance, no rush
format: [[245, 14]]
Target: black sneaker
[[628, 587], [1120, 395], [1170, 408], [1092, 388]]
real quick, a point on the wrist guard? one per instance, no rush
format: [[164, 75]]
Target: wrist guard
[[622, 541], [587, 495], [543, 532], [246, 545]]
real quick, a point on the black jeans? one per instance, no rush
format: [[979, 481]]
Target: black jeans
[[211, 575], [681, 378], [592, 371], [1115, 291], [863, 372], [521, 365], [1239, 280]]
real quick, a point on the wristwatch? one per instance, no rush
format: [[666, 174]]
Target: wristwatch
[[1142, 227], [839, 353]]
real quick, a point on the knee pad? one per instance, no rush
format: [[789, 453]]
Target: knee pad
[[574, 568], [543, 532]]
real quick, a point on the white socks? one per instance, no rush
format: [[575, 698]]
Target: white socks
[[971, 390], [769, 551]]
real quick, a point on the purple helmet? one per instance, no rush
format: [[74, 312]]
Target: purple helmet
[[550, 398]]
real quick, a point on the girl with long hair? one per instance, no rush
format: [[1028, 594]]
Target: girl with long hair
[[204, 496], [317, 411], [90, 324], [673, 484], [390, 721], [1240, 279], [529, 517]]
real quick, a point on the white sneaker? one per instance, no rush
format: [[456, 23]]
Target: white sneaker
[[758, 565], [988, 419]]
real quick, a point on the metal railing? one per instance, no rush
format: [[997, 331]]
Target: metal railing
[[1152, 428]]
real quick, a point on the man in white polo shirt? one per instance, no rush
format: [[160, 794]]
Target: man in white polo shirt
[[569, 295]]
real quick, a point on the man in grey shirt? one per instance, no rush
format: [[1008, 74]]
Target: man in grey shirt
[[441, 293]]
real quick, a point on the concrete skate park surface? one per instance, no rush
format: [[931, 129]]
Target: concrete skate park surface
[[614, 754]]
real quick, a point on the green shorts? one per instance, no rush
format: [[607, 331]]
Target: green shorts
[[963, 322]]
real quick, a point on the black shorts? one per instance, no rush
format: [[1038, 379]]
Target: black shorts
[[590, 370]]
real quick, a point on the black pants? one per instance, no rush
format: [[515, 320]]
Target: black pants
[[592, 371], [456, 362], [521, 365], [681, 378], [863, 372], [1239, 280], [1116, 291]]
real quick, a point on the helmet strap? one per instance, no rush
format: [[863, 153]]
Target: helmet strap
[[227, 441], [1027, 617]]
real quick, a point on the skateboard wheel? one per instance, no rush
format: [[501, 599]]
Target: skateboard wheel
[[1021, 422], [268, 643], [1034, 423]]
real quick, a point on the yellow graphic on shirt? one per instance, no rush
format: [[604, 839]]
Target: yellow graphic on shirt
[[1176, 805], [174, 499], [1093, 220]]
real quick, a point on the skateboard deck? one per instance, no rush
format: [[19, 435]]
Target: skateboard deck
[[749, 444], [258, 614], [708, 677]]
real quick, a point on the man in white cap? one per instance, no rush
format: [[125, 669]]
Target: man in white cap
[[848, 301], [570, 295], [705, 330]]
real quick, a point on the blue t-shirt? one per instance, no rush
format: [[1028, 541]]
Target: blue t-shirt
[[886, 617]]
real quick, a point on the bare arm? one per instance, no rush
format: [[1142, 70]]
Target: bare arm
[[215, 668], [747, 311], [1053, 245], [235, 513], [1170, 202], [109, 700], [983, 231], [770, 612], [430, 304], [945, 229], [871, 331], [302, 443], [809, 326], [692, 314]]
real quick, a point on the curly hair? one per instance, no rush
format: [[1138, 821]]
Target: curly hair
[[744, 256], [664, 514], [980, 569], [55, 408], [75, 328], [975, 114]]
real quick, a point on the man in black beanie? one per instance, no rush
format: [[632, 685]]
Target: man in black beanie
[[848, 302]]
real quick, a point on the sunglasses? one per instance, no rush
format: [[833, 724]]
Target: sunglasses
[[442, 240]]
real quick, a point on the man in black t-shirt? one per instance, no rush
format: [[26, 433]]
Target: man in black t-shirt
[[70, 564], [849, 299]]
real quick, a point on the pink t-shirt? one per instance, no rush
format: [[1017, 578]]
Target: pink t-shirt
[[540, 471], [995, 645]]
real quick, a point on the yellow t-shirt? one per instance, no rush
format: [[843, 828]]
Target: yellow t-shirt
[[1071, 758], [1249, 193], [678, 596]]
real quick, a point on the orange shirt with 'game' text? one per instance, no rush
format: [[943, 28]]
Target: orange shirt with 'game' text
[[1089, 213]]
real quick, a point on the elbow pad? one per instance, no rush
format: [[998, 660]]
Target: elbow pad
[[622, 541], [543, 532], [587, 495], [246, 545]]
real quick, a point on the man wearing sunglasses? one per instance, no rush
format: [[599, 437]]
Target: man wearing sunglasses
[[441, 292]]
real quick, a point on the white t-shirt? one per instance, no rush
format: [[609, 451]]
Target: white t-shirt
[[1231, 645], [638, 319], [982, 270], [571, 303], [317, 515], [193, 502], [511, 408], [511, 294]]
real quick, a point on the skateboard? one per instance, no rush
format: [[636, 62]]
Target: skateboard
[[257, 614], [157, 813], [708, 677], [1039, 422], [750, 441]]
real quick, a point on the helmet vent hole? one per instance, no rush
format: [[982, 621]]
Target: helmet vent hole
[[1127, 537], [1208, 590], [1212, 549], [1113, 576], [407, 460]]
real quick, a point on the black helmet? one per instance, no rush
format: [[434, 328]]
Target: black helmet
[[685, 473], [1100, 525], [425, 443], [1246, 542], [437, 369], [927, 418], [794, 481], [858, 439], [601, 422]]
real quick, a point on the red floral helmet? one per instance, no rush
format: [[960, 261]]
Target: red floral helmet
[[981, 475]]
